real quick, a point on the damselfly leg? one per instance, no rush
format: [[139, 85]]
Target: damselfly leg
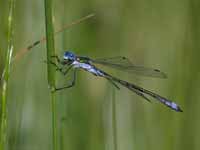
[[52, 63], [60, 65], [113, 83], [69, 85], [57, 58], [67, 70], [64, 72]]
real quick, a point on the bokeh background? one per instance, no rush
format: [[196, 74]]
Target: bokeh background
[[159, 34]]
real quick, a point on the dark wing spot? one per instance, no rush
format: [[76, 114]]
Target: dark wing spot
[[156, 70], [123, 57]]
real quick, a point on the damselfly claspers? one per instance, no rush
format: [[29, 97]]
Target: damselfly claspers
[[72, 61]]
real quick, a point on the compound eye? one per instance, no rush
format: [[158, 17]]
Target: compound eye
[[66, 57]]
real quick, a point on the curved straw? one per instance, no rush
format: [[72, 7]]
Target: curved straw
[[43, 39]]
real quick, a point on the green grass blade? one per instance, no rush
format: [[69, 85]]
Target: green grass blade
[[5, 78], [114, 120], [50, 41], [50, 69]]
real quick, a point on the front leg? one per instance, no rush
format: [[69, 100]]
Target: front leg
[[59, 64], [52, 63], [67, 70], [56, 64], [61, 70], [57, 58], [60, 61]]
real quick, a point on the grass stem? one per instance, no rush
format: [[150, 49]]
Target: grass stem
[[114, 119], [5, 78], [50, 69]]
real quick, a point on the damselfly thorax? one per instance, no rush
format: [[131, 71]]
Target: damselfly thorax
[[88, 67]]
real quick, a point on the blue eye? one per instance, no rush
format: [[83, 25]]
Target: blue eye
[[69, 55]]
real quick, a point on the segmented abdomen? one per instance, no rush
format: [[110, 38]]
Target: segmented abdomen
[[141, 91]]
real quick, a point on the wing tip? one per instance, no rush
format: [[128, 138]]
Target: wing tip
[[161, 74]]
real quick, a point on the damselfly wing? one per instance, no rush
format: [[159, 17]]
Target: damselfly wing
[[124, 64]]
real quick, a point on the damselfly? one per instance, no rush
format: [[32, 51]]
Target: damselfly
[[72, 61]]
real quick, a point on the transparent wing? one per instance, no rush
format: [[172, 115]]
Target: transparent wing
[[124, 64]]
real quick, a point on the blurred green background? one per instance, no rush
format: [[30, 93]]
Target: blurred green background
[[159, 34]]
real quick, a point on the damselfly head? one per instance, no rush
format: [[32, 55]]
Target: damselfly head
[[69, 56]]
